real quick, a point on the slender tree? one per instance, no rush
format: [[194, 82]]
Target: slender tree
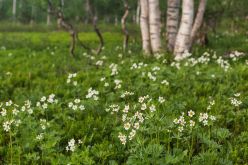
[[93, 14], [66, 26], [137, 19], [189, 27], [198, 21], [14, 10], [124, 28], [183, 36], [48, 16], [144, 27], [173, 7], [154, 25]]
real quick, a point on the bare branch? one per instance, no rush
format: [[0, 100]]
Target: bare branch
[[66, 26], [101, 44]]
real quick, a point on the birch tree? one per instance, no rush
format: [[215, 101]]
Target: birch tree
[[183, 36], [198, 21], [14, 9], [188, 27], [144, 27], [123, 24], [48, 16], [172, 22], [154, 25], [150, 26]]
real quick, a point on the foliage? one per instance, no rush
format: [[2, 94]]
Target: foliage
[[84, 110]]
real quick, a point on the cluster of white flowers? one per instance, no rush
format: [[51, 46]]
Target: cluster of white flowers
[[114, 70], [165, 82], [45, 101], [152, 108], [123, 138], [151, 76], [44, 124], [182, 121], [120, 55], [75, 105], [7, 125], [72, 145], [156, 68], [235, 101], [126, 93], [9, 105], [144, 98], [118, 48], [40, 136], [158, 55], [26, 107], [203, 59], [236, 54], [161, 99], [103, 57], [114, 108], [10, 112], [223, 63], [71, 79], [99, 63], [211, 103], [132, 116], [175, 64], [138, 66], [185, 55], [203, 118], [117, 84], [92, 93], [106, 84]]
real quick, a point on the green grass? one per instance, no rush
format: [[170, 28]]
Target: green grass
[[37, 64]]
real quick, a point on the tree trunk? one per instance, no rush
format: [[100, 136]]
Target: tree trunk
[[48, 17], [123, 25], [183, 36], [144, 26], [88, 11], [198, 21], [116, 20], [99, 34], [154, 25], [138, 13], [14, 10], [32, 15], [172, 22]]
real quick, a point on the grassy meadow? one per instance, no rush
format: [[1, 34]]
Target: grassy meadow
[[121, 107]]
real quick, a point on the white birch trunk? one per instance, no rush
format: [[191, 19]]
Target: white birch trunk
[[48, 17], [183, 36], [14, 9], [144, 26], [172, 22], [116, 20], [154, 25], [198, 21]]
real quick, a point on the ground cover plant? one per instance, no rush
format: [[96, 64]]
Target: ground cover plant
[[121, 107]]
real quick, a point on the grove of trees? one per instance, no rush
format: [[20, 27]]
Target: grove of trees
[[180, 19]]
